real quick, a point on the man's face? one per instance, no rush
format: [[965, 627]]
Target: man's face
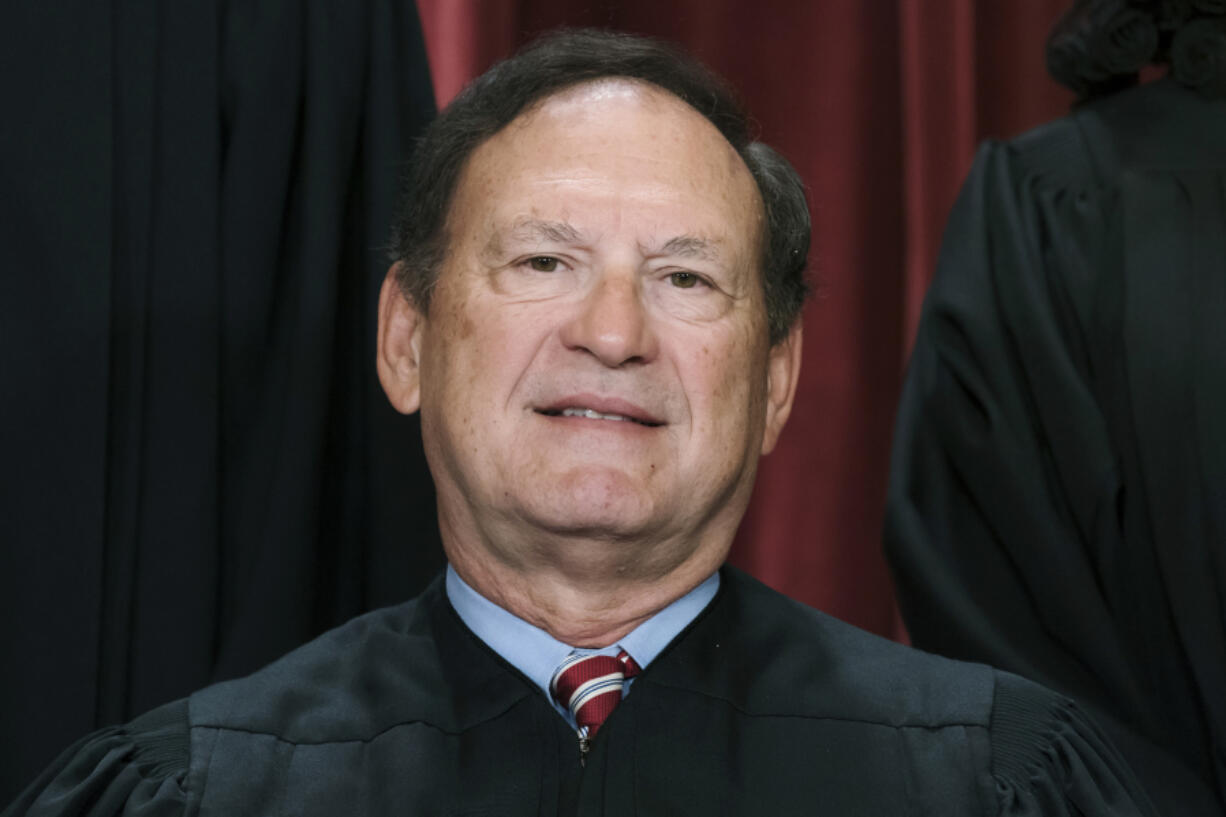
[[595, 361]]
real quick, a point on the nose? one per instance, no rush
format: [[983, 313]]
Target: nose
[[612, 323]]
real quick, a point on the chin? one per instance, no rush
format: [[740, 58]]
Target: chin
[[600, 503]]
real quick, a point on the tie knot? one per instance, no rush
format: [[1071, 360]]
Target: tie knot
[[590, 686]]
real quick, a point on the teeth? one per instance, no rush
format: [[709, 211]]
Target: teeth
[[591, 415]]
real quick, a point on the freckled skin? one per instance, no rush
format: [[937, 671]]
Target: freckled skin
[[577, 236]]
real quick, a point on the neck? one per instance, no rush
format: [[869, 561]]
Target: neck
[[589, 607]]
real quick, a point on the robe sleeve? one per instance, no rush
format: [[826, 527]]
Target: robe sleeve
[[1049, 759], [1047, 509], [139, 768], [1004, 487]]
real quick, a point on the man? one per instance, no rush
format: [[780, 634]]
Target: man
[[595, 308]]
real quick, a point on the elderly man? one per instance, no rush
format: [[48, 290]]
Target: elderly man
[[595, 309]]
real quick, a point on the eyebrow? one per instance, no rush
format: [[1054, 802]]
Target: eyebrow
[[688, 246], [531, 229], [527, 228]]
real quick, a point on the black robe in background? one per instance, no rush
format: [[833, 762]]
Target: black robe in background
[[1058, 490], [197, 469], [761, 707]]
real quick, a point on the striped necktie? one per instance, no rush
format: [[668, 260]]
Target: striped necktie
[[590, 686]]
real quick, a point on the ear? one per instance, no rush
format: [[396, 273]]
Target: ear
[[782, 372], [398, 357]]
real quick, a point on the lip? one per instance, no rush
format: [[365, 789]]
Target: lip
[[603, 405]]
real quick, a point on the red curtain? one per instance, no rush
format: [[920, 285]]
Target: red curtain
[[879, 104]]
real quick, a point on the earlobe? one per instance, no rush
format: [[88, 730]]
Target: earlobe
[[399, 345], [783, 371]]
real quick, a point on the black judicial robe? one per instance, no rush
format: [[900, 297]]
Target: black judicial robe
[[762, 706], [1058, 491], [194, 195]]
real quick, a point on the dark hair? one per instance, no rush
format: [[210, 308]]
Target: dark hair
[[1099, 46], [562, 60]]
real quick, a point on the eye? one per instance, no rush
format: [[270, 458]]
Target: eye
[[543, 263], [684, 280]]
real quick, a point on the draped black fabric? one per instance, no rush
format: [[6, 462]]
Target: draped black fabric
[[1058, 494], [761, 707], [199, 469]]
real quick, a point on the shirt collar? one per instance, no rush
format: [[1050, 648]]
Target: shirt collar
[[537, 654]]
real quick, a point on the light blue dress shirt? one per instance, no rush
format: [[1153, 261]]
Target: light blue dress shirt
[[537, 654]]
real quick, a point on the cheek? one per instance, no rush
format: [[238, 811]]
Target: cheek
[[485, 351], [752, 351], [723, 387], [449, 373]]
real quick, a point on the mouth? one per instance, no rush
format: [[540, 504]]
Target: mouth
[[592, 414], [596, 407]]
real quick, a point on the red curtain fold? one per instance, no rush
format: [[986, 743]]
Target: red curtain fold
[[879, 104]]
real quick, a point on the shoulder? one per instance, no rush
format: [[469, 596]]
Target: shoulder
[[1048, 757], [375, 672], [139, 767], [772, 655], [1030, 749], [1157, 126], [350, 683]]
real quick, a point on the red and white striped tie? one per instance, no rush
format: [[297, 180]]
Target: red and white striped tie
[[590, 686]]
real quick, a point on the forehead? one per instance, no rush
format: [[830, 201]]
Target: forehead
[[615, 138]]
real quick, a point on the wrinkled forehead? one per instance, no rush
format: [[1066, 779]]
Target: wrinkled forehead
[[621, 130]]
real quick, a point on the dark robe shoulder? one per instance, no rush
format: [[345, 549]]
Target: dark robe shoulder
[[298, 734], [761, 706], [823, 712], [138, 768], [387, 668], [1057, 502]]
